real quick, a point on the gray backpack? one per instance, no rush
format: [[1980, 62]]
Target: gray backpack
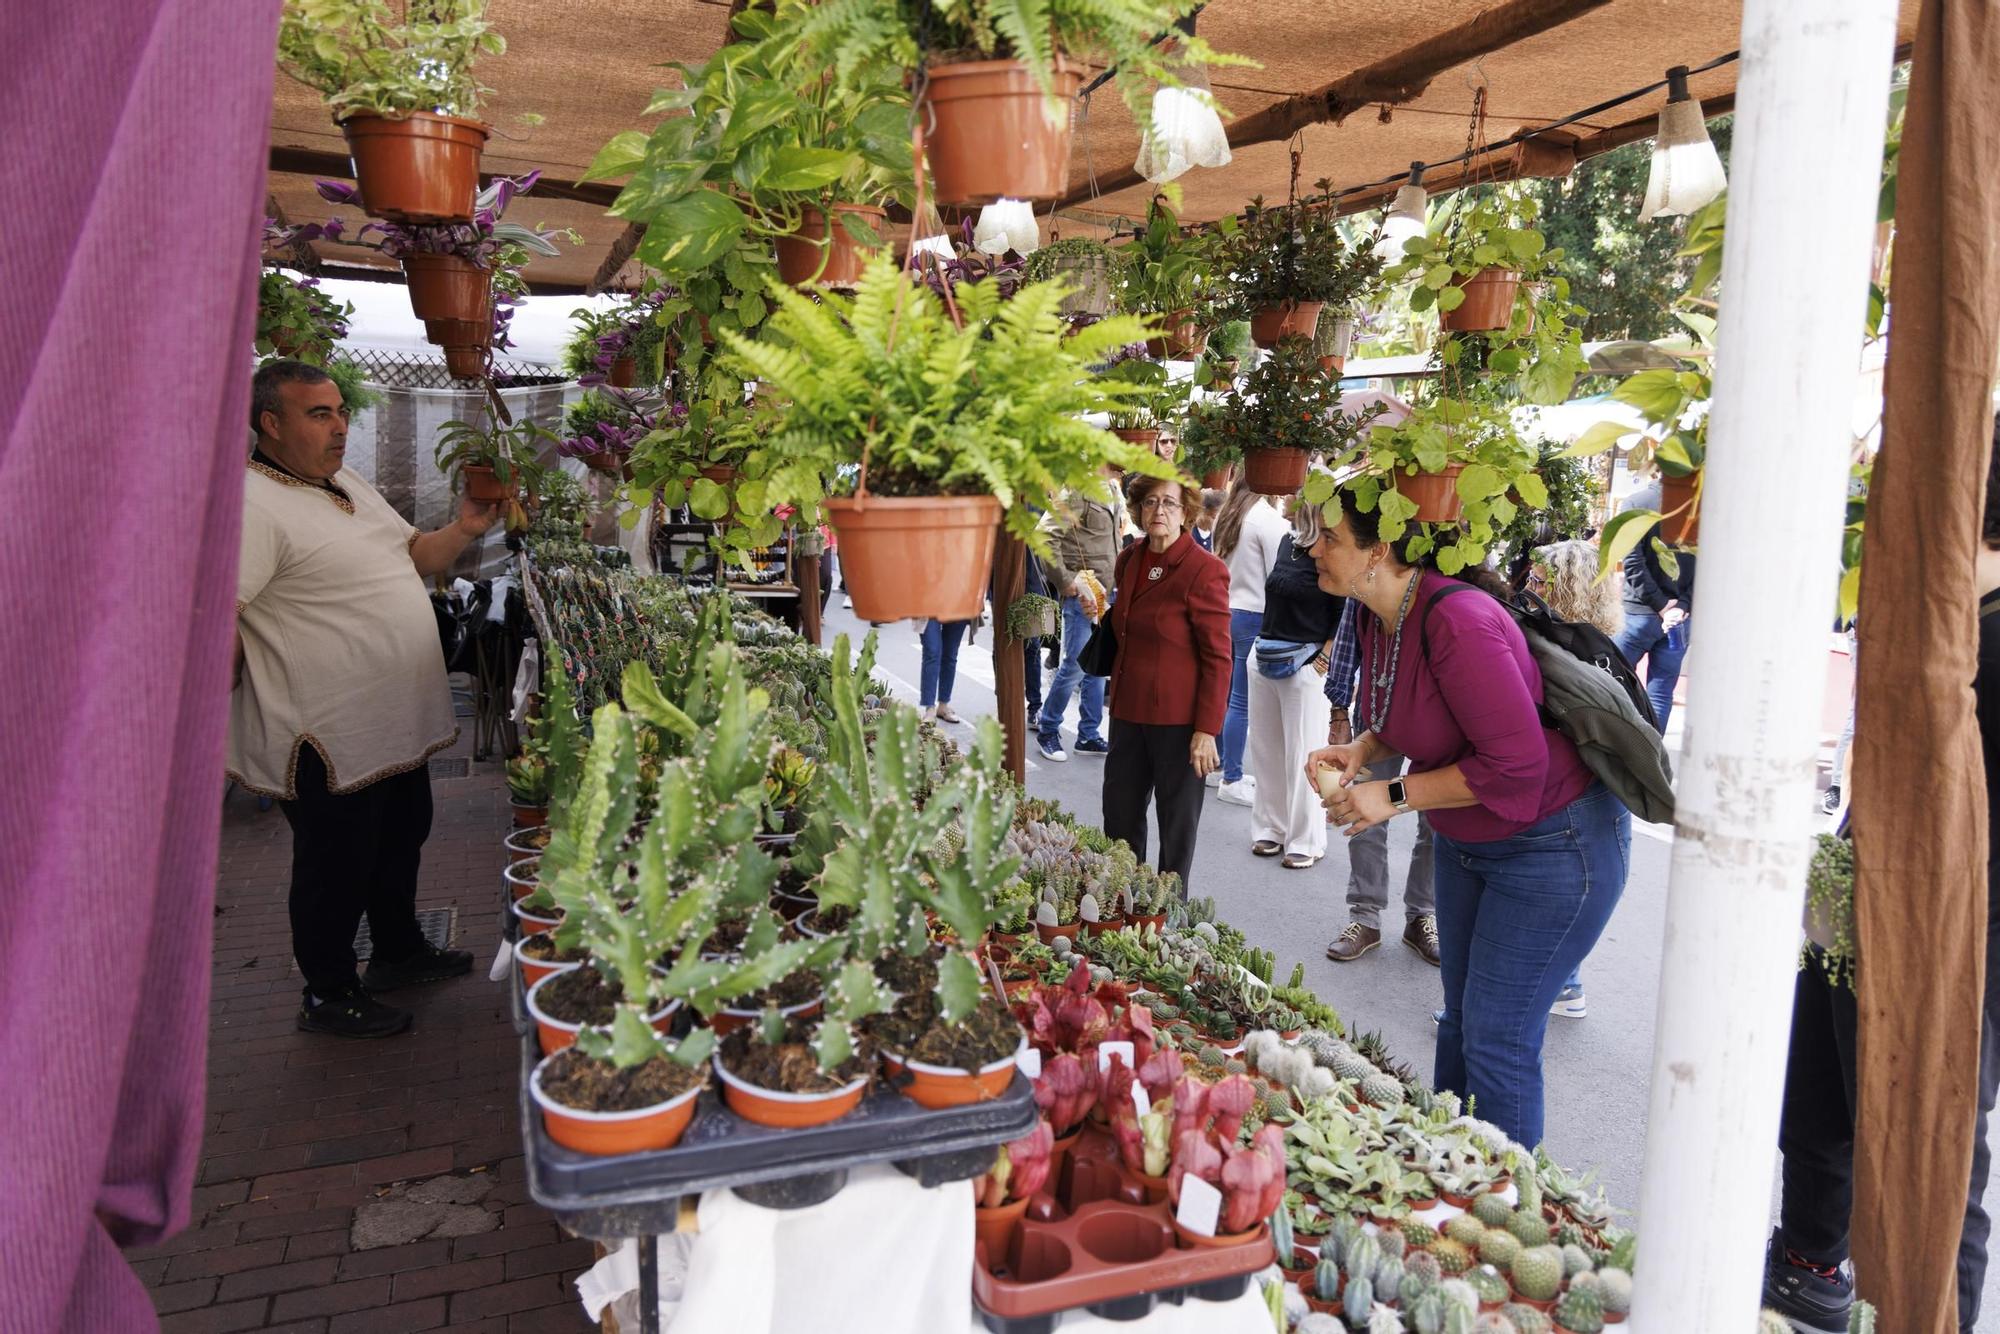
[[1592, 696]]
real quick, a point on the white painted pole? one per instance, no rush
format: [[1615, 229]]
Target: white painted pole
[[1811, 109]]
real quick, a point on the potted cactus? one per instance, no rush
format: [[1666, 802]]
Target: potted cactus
[[1580, 1311]]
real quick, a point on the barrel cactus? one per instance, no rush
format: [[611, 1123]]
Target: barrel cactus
[[1499, 1248], [1419, 1234], [1487, 1282], [1493, 1323], [1425, 1266], [1538, 1273], [1580, 1312], [1393, 1242], [1381, 1090], [1427, 1314], [1576, 1260], [1413, 1286], [1492, 1209], [1352, 1065], [1465, 1230], [1770, 1322], [1454, 1257], [1614, 1286], [1460, 1294], [1529, 1227], [1526, 1319], [1360, 1300]]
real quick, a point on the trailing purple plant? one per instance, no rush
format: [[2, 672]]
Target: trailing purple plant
[[632, 328], [945, 264], [612, 421]]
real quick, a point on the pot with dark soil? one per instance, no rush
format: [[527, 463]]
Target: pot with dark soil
[[933, 1063], [593, 1106], [780, 1083], [824, 922], [536, 956], [566, 1002], [798, 995], [525, 842], [537, 917]]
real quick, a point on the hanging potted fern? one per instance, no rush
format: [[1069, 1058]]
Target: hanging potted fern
[[402, 93], [944, 427]]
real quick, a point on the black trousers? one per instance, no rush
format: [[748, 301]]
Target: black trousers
[[354, 854], [1031, 676], [1150, 763], [1816, 1125], [1979, 1227]]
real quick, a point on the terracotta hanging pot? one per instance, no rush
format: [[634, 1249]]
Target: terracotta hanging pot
[[465, 363], [1488, 304], [990, 136], [1677, 493], [1146, 439], [1270, 323], [624, 370], [909, 557], [465, 345], [1435, 493], [483, 486], [446, 287], [657, 1127], [937, 1086], [1275, 472], [420, 168], [1215, 479], [799, 254], [1182, 339]]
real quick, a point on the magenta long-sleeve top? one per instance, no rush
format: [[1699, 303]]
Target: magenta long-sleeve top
[[1468, 692]]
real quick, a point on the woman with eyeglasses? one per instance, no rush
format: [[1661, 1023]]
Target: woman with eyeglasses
[[1169, 681]]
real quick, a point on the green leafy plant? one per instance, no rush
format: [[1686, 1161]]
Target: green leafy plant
[[1830, 900], [1572, 489], [1285, 403], [295, 313], [1029, 613], [367, 57], [989, 404], [1164, 270], [1163, 400], [510, 451], [1294, 253]]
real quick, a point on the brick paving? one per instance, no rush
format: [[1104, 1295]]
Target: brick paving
[[303, 1129]]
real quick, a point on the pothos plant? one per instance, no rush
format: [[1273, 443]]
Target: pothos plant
[[370, 57], [704, 453], [984, 398], [1164, 270]]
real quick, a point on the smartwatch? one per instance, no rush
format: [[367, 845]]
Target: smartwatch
[[1399, 794]]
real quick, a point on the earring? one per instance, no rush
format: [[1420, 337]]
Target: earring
[[1371, 572]]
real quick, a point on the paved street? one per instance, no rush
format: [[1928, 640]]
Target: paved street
[[1596, 1068]]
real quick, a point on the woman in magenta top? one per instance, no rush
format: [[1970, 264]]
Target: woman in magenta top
[[1531, 849]]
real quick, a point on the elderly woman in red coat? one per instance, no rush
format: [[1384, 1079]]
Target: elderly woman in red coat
[[1170, 680]]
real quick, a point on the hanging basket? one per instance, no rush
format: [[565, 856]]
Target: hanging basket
[[1275, 472], [1678, 493], [1089, 277], [624, 371], [1217, 479], [915, 556], [1435, 493], [990, 136], [846, 259], [464, 343], [1271, 323], [1183, 339], [419, 168], [483, 486], [445, 287], [1488, 304]]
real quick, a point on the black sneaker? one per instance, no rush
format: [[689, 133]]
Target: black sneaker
[[1830, 803], [1813, 1297], [1054, 656], [350, 1013], [1091, 746], [429, 964]]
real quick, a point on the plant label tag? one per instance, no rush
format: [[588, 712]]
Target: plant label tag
[[1030, 1063], [1105, 1050], [1200, 1207], [1142, 1101]]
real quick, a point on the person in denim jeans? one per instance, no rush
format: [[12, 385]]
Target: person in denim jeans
[[940, 641], [1659, 608], [1083, 531], [1530, 851], [1247, 533]]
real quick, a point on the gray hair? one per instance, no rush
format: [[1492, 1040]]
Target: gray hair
[[1307, 524], [271, 378]]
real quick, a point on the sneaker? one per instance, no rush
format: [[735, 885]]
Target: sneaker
[[430, 964], [1569, 1003], [1092, 745], [1421, 935], [1830, 803], [1437, 1018], [1814, 1297], [1053, 658], [947, 714], [352, 1013], [1242, 792], [1052, 751], [846, 602], [1354, 942]]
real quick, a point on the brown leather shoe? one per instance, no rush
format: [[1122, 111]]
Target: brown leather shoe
[[1354, 942], [1265, 847], [1421, 935]]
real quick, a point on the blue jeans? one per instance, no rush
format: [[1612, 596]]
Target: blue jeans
[[1071, 679], [1643, 637], [940, 640], [1514, 917], [1243, 627]]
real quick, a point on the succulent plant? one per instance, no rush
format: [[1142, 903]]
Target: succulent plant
[[1465, 1229], [1492, 1209], [1235, 1065], [1456, 1292], [1326, 1280], [1498, 1247], [1614, 1286], [1425, 1265], [1415, 1283], [1359, 1299], [1492, 1322], [1388, 1275], [1538, 1273], [1351, 1065], [1393, 1242], [1580, 1312], [1361, 1256], [1529, 1227], [1576, 1260], [1488, 1283], [1770, 1322], [1569, 1234], [1380, 1090], [1318, 1322], [1384, 1320], [1454, 1258], [1528, 1187], [1624, 1250], [1526, 1319], [1427, 1313]]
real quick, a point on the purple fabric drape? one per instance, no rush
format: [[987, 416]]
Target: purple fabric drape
[[135, 135]]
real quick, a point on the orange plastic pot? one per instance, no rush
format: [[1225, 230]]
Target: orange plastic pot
[[1144, 439], [1048, 934], [916, 556], [420, 168], [799, 254], [1677, 493], [518, 842], [727, 1021], [1216, 479], [1275, 472], [529, 817], [534, 970], [483, 487], [787, 1111], [994, 1228], [1435, 493], [1268, 324], [521, 877], [533, 923], [446, 287], [555, 1034], [1183, 339], [1488, 304], [937, 1086], [658, 1127], [1195, 1239], [989, 135], [1332, 365]]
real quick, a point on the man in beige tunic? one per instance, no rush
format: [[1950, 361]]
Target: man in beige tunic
[[341, 697]]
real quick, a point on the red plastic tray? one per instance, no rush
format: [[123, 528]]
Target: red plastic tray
[[1097, 1240]]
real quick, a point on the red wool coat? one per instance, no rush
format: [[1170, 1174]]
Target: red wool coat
[[1174, 658]]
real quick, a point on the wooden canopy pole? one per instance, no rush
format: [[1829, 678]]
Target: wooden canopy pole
[[1390, 81], [1010, 672]]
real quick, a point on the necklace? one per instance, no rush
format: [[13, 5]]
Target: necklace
[[1382, 662]]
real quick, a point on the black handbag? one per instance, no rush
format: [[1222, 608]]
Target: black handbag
[[1100, 651]]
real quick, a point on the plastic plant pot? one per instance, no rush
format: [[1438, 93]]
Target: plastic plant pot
[[447, 287], [787, 1111], [1196, 1240], [990, 135], [846, 259], [483, 487], [1682, 529], [422, 167], [1149, 440], [520, 844], [624, 371], [521, 877], [1488, 304], [727, 1021], [994, 1228], [1268, 324], [555, 1034], [1067, 930], [533, 922], [526, 816], [1435, 493], [916, 556], [603, 1133], [533, 971], [1275, 472], [949, 1086]]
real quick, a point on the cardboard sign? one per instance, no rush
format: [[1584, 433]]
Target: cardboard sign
[[1200, 1207]]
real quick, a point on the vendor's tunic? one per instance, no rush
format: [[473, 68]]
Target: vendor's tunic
[[340, 645]]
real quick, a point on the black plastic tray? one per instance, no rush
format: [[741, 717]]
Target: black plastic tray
[[639, 1194]]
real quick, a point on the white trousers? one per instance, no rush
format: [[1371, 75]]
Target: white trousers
[[1288, 719]]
